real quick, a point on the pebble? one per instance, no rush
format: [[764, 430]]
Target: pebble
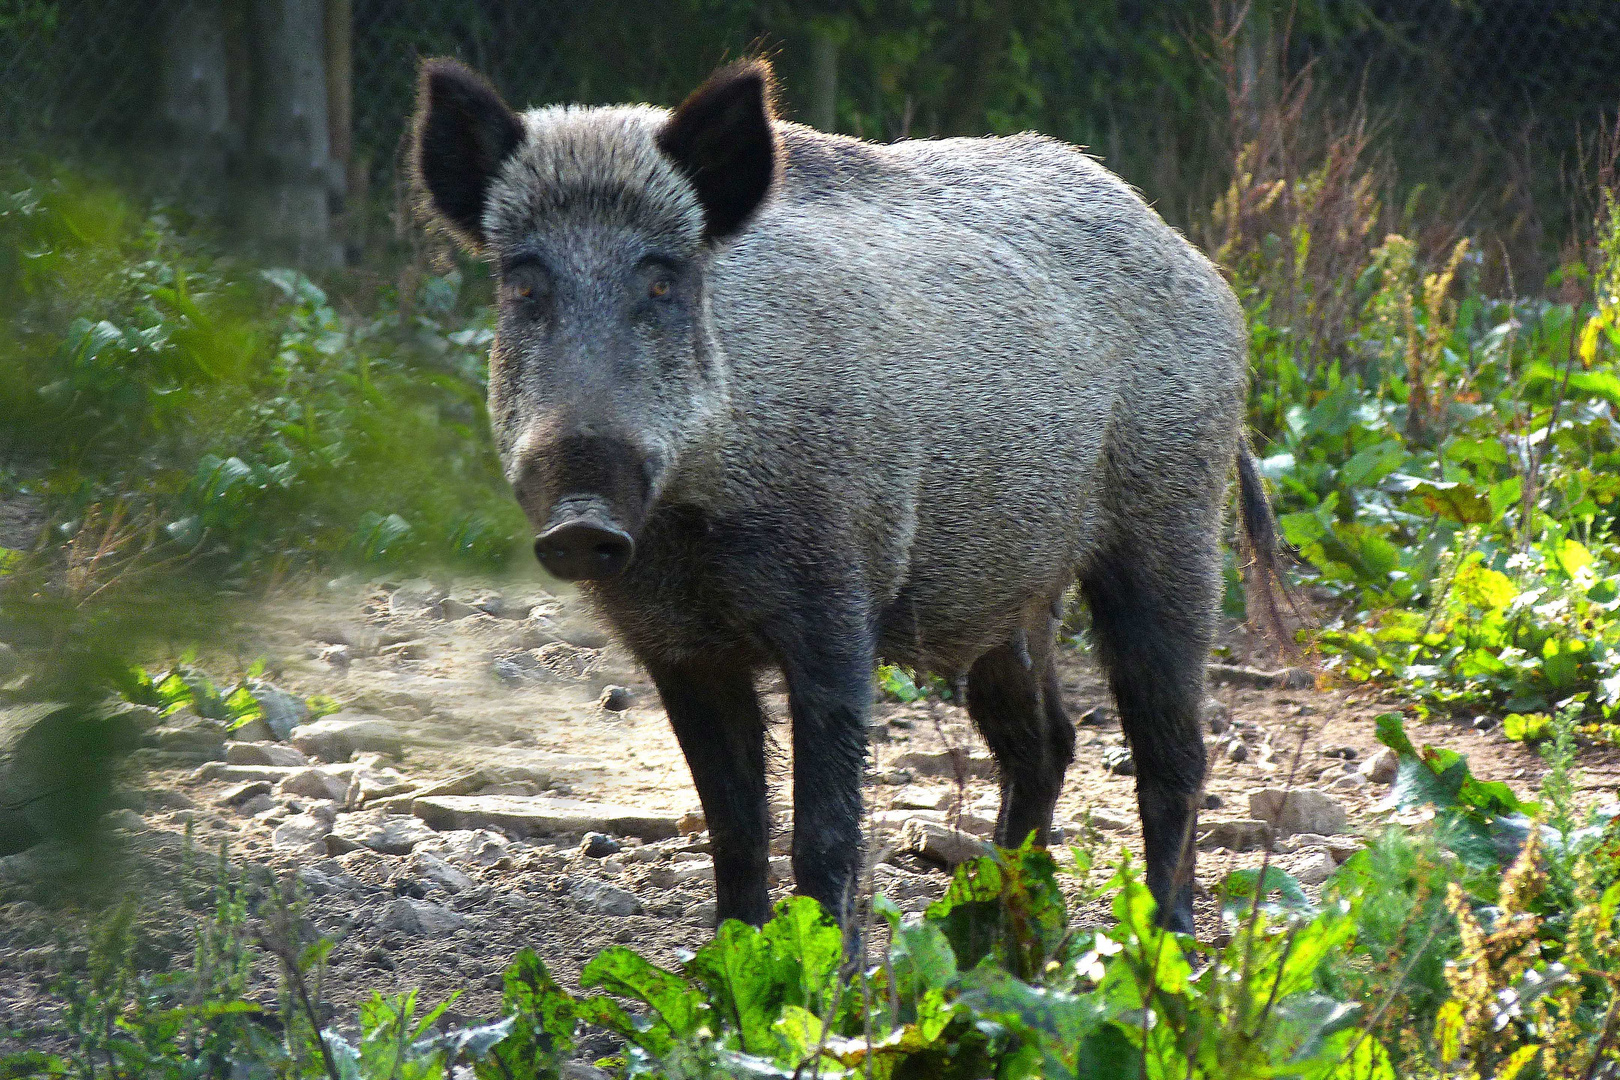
[[597, 845], [691, 823], [1237, 750], [1118, 761], [1382, 767], [301, 832], [1102, 820], [1217, 715], [616, 698]]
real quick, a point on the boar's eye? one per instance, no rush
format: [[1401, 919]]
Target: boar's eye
[[525, 284], [658, 288]]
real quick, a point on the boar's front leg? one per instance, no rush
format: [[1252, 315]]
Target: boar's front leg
[[717, 720], [829, 680]]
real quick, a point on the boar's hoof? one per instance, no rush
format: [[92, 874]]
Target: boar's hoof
[[583, 550]]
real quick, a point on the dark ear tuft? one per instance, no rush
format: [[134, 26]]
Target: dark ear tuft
[[464, 131], [723, 140]]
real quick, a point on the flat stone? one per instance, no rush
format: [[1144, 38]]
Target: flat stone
[[184, 733], [920, 797], [1242, 834], [389, 834], [257, 805], [693, 872], [542, 816], [430, 867], [1299, 810], [339, 736], [941, 843], [265, 753], [954, 763], [421, 917], [1382, 767], [598, 898], [1282, 679], [243, 792], [314, 784], [415, 598], [236, 774], [896, 819], [1102, 820], [453, 610]]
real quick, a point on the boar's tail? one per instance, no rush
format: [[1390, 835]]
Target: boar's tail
[[1264, 582]]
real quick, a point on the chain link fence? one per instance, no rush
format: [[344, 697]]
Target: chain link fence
[[99, 78]]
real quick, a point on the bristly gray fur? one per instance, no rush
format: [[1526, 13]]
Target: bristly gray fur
[[922, 390]]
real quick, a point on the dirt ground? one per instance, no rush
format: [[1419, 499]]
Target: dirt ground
[[509, 679]]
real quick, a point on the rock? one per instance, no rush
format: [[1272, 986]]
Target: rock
[[1095, 716], [918, 797], [421, 917], [1242, 834], [338, 656], [542, 816], [1284, 679], [1118, 761], [389, 834], [1343, 753], [1315, 868], [337, 737], [1213, 801], [703, 912], [243, 792], [598, 898], [616, 698], [896, 819], [1382, 767], [779, 869], [597, 845], [257, 805], [416, 598], [9, 662], [185, 734], [1348, 782], [236, 774], [265, 753], [1237, 750], [1217, 715], [314, 784], [453, 610], [479, 847], [578, 1070], [953, 764], [691, 823], [426, 865], [941, 843], [366, 785], [1102, 820], [254, 730], [687, 873], [302, 833], [1299, 810]]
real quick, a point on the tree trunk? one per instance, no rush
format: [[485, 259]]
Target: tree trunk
[[195, 105], [348, 171], [288, 196], [823, 111]]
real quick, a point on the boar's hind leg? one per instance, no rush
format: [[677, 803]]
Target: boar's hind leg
[[1014, 698], [1152, 606], [717, 720]]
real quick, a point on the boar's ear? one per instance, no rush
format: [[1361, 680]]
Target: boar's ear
[[464, 131], [722, 138]]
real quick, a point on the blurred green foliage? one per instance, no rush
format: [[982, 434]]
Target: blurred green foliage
[[174, 400]]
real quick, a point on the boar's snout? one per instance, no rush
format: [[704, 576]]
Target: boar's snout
[[587, 494], [584, 548]]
